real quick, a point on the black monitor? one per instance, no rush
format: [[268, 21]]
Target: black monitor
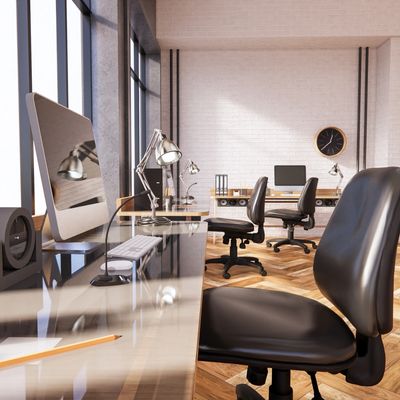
[[289, 177]]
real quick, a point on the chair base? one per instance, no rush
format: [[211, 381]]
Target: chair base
[[294, 242], [280, 388], [229, 262]]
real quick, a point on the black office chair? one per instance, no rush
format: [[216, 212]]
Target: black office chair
[[303, 216], [353, 268], [238, 229]]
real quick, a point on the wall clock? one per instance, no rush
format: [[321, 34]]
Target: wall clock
[[330, 141]]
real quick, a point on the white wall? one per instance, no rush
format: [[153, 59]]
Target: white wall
[[220, 24], [242, 112], [387, 128]]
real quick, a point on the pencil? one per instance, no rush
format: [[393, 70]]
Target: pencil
[[57, 350]]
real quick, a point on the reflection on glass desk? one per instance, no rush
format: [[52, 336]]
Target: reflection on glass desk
[[157, 315]]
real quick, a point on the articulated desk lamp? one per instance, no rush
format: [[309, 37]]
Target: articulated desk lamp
[[71, 168], [166, 153], [192, 169], [334, 171]]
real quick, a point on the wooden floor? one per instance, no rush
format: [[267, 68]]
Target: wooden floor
[[291, 271]]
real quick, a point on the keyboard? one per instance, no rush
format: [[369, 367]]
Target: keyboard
[[135, 248]]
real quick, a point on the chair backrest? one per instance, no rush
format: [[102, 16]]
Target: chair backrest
[[354, 263], [306, 203], [256, 204]]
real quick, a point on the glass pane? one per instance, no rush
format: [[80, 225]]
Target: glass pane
[[133, 161], [44, 68], [142, 122], [132, 55], [9, 151], [75, 73], [141, 58]]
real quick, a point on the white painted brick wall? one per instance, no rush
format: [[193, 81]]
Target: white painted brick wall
[[242, 112]]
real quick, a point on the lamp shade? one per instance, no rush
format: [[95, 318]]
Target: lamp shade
[[193, 168], [167, 152], [71, 168], [335, 170]]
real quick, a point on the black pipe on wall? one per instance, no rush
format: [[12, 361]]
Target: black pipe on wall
[[359, 108], [366, 107]]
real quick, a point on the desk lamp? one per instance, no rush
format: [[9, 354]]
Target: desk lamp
[[71, 168], [192, 169], [335, 170], [166, 153]]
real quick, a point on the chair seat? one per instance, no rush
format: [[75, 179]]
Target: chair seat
[[247, 323], [229, 225], [285, 214]]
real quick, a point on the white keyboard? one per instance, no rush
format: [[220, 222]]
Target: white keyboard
[[135, 248]]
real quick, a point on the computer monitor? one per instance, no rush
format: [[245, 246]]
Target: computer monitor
[[289, 178], [69, 167]]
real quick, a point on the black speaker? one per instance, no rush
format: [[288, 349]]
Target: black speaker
[[20, 246]]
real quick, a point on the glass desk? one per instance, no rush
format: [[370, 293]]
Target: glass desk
[[157, 315]]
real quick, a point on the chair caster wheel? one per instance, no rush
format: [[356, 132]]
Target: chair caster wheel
[[242, 245], [307, 251], [314, 246], [263, 272], [276, 249], [269, 244], [226, 275]]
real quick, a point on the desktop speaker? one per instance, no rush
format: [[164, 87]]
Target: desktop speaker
[[20, 246], [17, 236]]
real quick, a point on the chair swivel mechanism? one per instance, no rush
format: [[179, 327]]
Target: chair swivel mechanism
[[303, 216], [353, 268], [235, 229]]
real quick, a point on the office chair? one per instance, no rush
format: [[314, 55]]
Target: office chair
[[353, 268], [303, 216], [235, 229]]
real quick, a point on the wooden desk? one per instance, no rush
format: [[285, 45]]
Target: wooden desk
[[188, 212], [274, 196], [158, 316], [325, 201]]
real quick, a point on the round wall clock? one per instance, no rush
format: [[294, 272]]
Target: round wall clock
[[330, 141]]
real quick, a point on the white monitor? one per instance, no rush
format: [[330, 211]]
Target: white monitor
[[289, 178], [69, 167]]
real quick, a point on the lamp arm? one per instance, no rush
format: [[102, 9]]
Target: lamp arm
[[183, 182], [152, 144], [182, 174], [152, 197], [157, 135], [87, 152], [187, 191]]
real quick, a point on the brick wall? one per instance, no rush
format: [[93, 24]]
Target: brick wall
[[242, 112]]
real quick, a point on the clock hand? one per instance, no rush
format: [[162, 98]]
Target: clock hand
[[327, 144]]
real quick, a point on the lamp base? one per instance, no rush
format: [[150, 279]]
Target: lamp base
[[110, 280], [153, 221]]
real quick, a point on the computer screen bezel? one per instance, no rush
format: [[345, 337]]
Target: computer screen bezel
[[70, 222]]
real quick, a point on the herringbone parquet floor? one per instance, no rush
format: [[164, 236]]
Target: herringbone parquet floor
[[291, 271]]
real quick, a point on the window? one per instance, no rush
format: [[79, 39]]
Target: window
[[75, 43], [9, 150], [54, 36], [138, 103], [44, 71]]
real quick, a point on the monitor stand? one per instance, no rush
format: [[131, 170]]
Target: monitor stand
[[66, 247]]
